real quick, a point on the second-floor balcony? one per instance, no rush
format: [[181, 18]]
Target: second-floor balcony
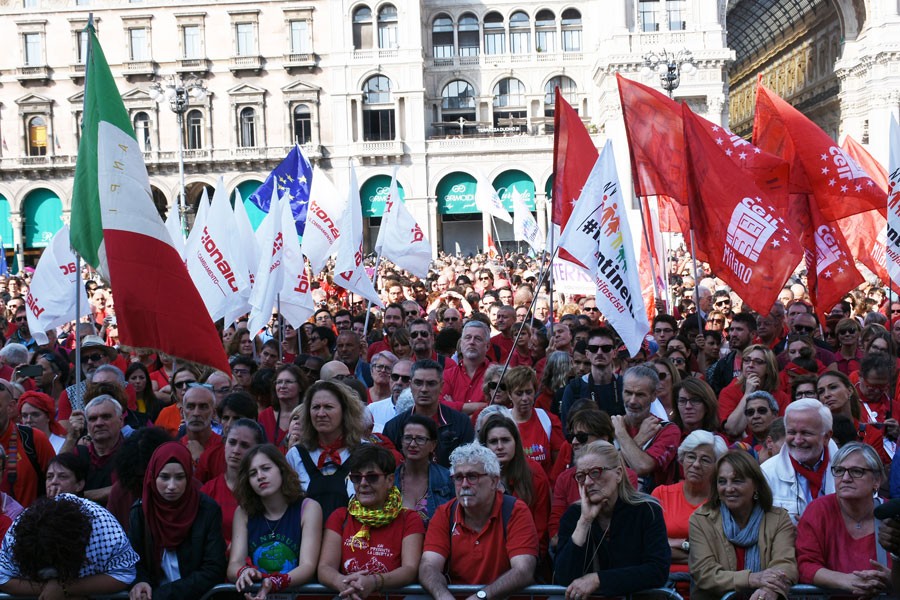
[[139, 68], [192, 65], [503, 60], [299, 60], [251, 63], [29, 73]]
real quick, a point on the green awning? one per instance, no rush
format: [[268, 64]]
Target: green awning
[[456, 194], [247, 188], [548, 189], [6, 229], [43, 217], [524, 185], [373, 194]]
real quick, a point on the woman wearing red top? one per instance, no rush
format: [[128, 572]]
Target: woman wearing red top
[[836, 543], [289, 386], [540, 430], [557, 373], [837, 393], [374, 543], [848, 355], [521, 477], [759, 371]]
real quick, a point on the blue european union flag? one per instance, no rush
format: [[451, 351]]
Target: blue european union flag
[[4, 268], [293, 177]]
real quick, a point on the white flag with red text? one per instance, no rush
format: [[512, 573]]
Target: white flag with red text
[[400, 239], [597, 235], [323, 220], [892, 241], [270, 271], [296, 301], [193, 239], [349, 270], [246, 256]]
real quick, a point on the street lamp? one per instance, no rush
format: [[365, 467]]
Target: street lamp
[[178, 93], [669, 67]]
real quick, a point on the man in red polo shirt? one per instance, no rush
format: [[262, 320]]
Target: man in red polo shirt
[[475, 539], [198, 408], [462, 382]]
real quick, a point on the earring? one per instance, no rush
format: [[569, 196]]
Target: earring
[[756, 495]]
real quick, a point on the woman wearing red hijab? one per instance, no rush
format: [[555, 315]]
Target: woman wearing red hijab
[[176, 530]]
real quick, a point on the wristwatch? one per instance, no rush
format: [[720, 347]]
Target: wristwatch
[[686, 546], [481, 595]]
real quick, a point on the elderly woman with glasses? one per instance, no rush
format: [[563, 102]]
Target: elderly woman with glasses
[[613, 542], [837, 546], [375, 542], [759, 371], [423, 484], [761, 411], [382, 363]]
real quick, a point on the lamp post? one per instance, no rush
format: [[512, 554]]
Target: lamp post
[[669, 67], [179, 94]]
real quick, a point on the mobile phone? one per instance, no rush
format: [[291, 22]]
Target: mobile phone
[[31, 371]]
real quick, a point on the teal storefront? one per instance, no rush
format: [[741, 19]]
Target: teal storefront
[[460, 221], [6, 229], [373, 195], [246, 189]]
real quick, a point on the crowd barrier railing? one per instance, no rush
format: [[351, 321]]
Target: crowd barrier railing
[[810, 591]]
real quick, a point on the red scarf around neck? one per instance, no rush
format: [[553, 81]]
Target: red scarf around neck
[[331, 452], [814, 478]]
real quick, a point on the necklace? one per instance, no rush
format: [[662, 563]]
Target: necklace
[[859, 523], [273, 529]]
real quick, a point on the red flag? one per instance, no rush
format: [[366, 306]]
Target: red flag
[[865, 232], [491, 249], [739, 211], [818, 165], [872, 167], [574, 155]]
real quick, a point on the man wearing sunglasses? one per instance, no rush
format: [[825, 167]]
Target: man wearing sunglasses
[[383, 411], [421, 339], [481, 537], [22, 334], [602, 385], [94, 353], [807, 323]]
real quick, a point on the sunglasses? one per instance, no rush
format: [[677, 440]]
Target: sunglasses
[[371, 478], [96, 356], [604, 348], [451, 319], [803, 329], [662, 375], [411, 313], [592, 308], [414, 335], [762, 410], [581, 437], [722, 321], [404, 378], [492, 385], [723, 303], [21, 319], [183, 384]]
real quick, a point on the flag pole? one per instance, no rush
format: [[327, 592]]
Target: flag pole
[[649, 254], [696, 284], [280, 326], [369, 302], [497, 233]]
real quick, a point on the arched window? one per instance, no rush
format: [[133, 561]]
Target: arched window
[[519, 33], [566, 87], [468, 35], [378, 121], [247, 128], [442, 37], [510, 108], [387, 27], [362, 28], [142, 130], [494, 34], [302, 124], [37, 136], [193, 123], [458, 106], [545, 31], [571, 30]]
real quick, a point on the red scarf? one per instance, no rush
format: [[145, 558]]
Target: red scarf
[[331, 453], [813, 477], [169, 523]]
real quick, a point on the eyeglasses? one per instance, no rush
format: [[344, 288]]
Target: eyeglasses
[[21, 319], [723, 302], [805, 394], [492, 385], [591, 308], [692, 401], [720, 321], [804, 328], [484, 279], [381, 368], [662, 375], [180, 385], [604, 348], [846, 332], [418, 334], [691, 458], [580, 436], [855, 472], [371, 478], [95, 357], [472, 478], [594, 474], [762, 410], [222, 390], [756, 361], [411, 313], [419, 440], [451, 319], [281, 382], [404, 378], [241, 371], [663, 330], [677, 361], [304, 369]]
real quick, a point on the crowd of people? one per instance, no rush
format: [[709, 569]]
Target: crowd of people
[[473, 431]]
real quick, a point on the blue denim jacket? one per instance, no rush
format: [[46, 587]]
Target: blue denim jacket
[[440, 487]]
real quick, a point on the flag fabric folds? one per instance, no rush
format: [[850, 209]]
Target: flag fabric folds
[[246, 251], [865, 232], [350, 272], [4, 267], [323, 221], [50, 301], [296, 302], [574, 155], [488, 200], [117, 230], [291, 179], [173, 226], [892, 240], [598, 235], [400, 239], [525, 228], [270, 270]]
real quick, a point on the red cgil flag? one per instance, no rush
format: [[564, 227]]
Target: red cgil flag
[[738, 200]]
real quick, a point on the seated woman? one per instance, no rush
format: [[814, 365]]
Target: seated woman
[[520, 477], [424, 485], [837, 546], [697, 454], [375, 543], [176, 530], [613, 542], [761, 410], [738, 540], [66, 474], [331, 422], [842, 398], [277, 532], [96, 558]]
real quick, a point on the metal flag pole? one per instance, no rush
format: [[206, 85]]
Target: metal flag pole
[[696, 284], [369, 302], [650, 254], [280, 326]]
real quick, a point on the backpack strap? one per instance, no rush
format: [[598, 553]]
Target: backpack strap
[[506, 510], [544, 418], [27, 439]]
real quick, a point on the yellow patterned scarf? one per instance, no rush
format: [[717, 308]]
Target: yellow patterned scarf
[[374, 517]]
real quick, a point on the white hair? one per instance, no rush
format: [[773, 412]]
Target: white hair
[[475, 453], [807, 404], [14, 354], [101, 399], [487, 411], [405, 401], [702, 438]]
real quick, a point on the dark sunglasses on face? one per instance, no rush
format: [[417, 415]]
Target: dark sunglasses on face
[[581, 437], [804, 329], [413, 335], [96, 356], [723, 303], [662, 375], [180, 385], [371, 478], [451, 319], [604, 348], [404, 378], [492, 385], [762, 410]]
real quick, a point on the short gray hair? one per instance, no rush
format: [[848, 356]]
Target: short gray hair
[[644, 371], [102, 399], [484, 328], [475, 453], [806, 404], [869, 455], [120, 376], [14, 354], [699, 438], [386, 355], [769, 398], [487, 411]]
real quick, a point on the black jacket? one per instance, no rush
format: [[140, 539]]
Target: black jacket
[[201, 557], [454, 430]]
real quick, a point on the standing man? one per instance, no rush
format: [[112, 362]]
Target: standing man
[[602, 385], [391, 321], [503, 318], [94, 353], [383, 411], [740, 335], [665, 327], [421, 338], [462, 382], [348, 351]]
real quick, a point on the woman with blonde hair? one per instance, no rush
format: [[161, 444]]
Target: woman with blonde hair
[[331, 424], [759, 371]]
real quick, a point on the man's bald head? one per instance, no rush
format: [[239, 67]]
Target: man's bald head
[[332, 369]]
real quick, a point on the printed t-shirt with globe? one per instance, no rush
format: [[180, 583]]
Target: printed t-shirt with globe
[[275, 545]]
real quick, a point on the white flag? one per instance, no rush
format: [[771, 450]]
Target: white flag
[[597, 234], [247, 250], [525, 228], [173, 226], [323, 220], [400, 239], [296, 301], [223, 287], [892, 239], [270, 271], [50, 301], [193, 239], [350, 272], [488, 201]]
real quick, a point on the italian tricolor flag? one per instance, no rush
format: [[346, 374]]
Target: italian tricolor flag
[[117, 230]]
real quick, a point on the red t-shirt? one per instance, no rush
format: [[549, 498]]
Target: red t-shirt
[[477, 557], [217, 489], [676, 512], [462, 388], [382, 553], [379, 346], [214, 441], [160, 377], [538, 447], [211, 463], [731, 396], [663, 450], [505, 344], [269, 423]]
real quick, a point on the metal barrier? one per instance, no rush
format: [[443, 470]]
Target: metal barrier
[[809, 591]]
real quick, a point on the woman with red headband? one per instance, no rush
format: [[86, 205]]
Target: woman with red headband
[[38, 411]]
